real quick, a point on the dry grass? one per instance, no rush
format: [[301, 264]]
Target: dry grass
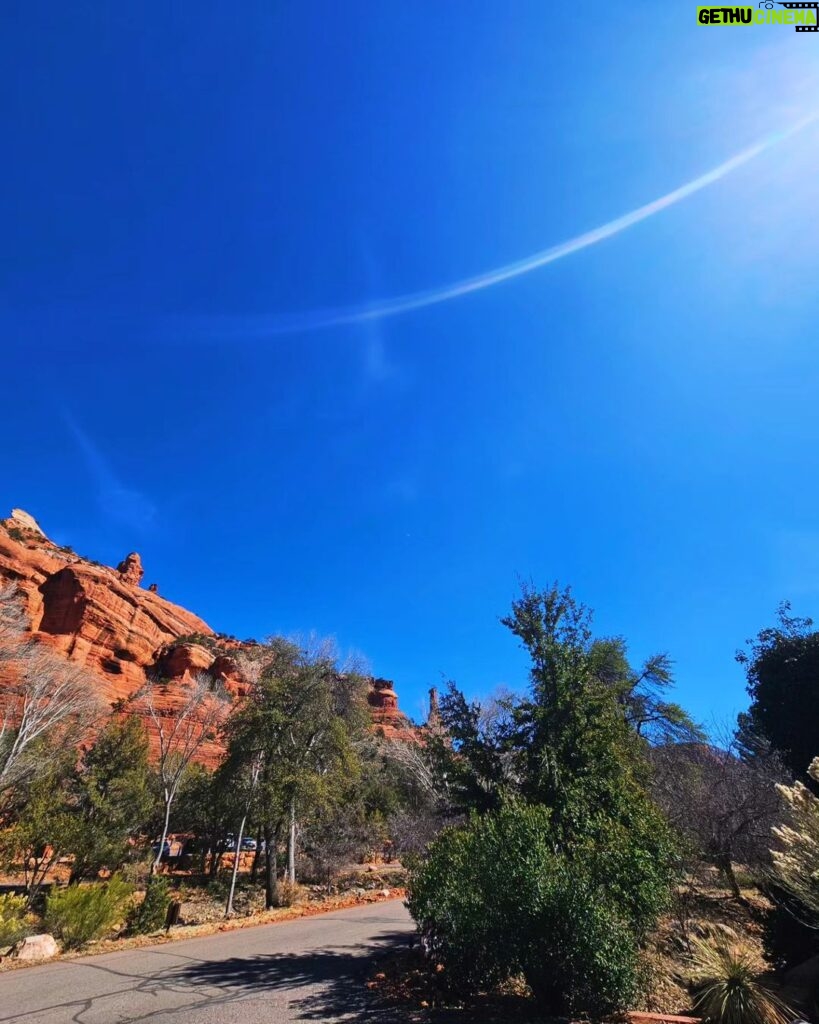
[[702, 911]]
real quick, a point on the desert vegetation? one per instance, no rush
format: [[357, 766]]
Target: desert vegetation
[[581, 844]]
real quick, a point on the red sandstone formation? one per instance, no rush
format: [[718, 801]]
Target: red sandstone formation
[[388, 720], [130, 569], [102, 619]]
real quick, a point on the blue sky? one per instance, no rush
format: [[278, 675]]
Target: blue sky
[[639, 419]]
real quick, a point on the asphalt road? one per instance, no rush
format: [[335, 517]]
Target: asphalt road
[[311, 969]]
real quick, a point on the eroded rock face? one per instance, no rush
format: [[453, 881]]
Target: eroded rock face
[[104, 623], [388, 720], [100, 618], [24, 521], [184, 660], [130, 569], [95, 615]]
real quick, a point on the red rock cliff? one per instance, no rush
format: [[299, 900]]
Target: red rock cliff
[[101, 618]]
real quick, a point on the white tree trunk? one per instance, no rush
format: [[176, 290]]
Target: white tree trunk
[[237, 853], [291, 844], [165, 826]]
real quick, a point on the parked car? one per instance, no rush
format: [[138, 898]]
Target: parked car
[[229, 845], [166, 849]]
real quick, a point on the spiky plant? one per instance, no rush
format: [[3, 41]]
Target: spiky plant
[[727, 987]]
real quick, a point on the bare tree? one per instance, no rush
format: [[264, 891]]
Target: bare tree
[[44, 695], [723, 804], [183, 718], [418, 763]]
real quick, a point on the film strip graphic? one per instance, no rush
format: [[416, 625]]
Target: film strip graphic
[[792, 6]]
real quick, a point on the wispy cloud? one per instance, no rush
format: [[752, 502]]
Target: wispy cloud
[[380, 309], [118, 502]]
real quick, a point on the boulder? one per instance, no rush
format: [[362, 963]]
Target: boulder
[[35, 947]]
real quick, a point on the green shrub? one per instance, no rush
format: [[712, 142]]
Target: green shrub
[[80, 913], [150, 915], [13, 925], [498, 898]]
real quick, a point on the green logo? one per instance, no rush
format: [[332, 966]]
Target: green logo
[[803, 16]]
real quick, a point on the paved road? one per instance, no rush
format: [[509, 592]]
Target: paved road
[[308, 969]]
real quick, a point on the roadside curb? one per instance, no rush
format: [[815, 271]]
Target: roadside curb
[[281, 915]]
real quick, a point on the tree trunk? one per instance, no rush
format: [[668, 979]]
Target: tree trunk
[[727, 868], [237, 853], [291, 843], [271, 882], [165, 827], [257, 857]]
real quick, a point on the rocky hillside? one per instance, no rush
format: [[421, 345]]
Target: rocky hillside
[[103, 619]]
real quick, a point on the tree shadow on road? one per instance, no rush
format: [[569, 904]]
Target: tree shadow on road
[[321, 985]]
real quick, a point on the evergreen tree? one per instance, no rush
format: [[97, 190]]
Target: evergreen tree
[[114, 797]]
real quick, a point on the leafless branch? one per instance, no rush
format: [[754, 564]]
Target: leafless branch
[[44, 694]]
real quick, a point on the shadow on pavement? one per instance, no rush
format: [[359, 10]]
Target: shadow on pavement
[[321, 985], [318, 985]]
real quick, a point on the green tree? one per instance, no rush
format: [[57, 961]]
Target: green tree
[[642, 692], [576, 750], [292, 740], [560, 776], [114, 797], [472, 764], [782, 668], [206, 806], [45, 827]]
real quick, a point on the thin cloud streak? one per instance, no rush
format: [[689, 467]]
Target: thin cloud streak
[[118, 502], [328, 318]]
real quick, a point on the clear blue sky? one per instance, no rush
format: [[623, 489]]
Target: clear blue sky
[[639, 420]]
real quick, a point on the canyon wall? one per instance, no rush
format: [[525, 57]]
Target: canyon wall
[[103, 619]]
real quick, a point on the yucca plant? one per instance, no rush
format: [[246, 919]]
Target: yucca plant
[[727, 987]]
